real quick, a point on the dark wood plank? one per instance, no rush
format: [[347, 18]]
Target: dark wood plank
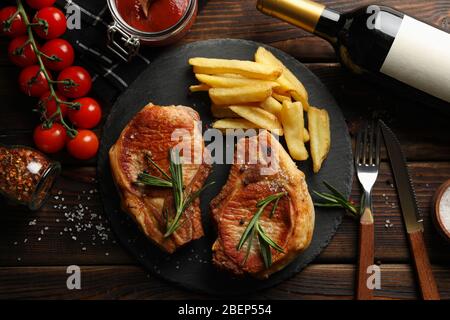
[[71, 227], [423, 268], [77, 184], [331, 281]]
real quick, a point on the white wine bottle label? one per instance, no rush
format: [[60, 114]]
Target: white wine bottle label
[[420, 57]]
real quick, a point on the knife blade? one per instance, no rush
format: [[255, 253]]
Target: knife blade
[[413, 218], [411, 215]]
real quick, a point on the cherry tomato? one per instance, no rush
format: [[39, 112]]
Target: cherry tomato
[[49, 104], [17, 26], [88, 115], [84, 146], [79, 85], [20, 53], [54, 23], [58, 49], [39, 4], [50, 140], [32, 81]]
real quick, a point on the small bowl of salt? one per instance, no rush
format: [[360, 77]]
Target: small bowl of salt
[[441, 215]]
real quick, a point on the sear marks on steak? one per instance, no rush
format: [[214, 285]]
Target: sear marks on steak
[[292, 224], [150, 133]]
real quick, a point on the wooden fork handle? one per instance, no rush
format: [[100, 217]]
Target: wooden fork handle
[[366, 257], [423, 267]]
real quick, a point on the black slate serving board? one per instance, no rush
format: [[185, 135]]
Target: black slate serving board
[[166, 82]]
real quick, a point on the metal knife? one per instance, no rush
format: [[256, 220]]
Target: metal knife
[[412, 218]]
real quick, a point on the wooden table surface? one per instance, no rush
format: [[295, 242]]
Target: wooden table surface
[[37, 247]]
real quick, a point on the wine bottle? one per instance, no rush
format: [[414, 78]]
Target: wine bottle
[[378, 41]]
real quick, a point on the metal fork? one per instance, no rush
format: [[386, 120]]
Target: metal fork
[[367, 162]]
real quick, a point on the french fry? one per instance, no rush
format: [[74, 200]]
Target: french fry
[[320, 136], [240, 95], [288, 81], [281, 98], [260, 117], [293, 128], [249, 69], [300, 98], [272, 105], [306, 136], [222, 112], [227, 82], [199, 87], [232, 75], [234, 123]]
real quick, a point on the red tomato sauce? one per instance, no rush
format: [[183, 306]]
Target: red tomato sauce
[[162, 14]]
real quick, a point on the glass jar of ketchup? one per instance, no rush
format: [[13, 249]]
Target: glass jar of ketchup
[[148, 22]]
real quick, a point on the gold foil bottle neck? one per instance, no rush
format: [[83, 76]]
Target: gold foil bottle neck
[[301, 13]]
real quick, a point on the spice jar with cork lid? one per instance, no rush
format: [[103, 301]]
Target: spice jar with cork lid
[[26, 175]]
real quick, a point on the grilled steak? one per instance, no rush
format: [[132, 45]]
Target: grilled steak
[[150, 133], [291, 225]]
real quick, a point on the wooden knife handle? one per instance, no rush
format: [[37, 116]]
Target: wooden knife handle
[[423, 267], [366, 257]]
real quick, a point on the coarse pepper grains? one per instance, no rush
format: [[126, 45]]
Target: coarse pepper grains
[[26, 175]]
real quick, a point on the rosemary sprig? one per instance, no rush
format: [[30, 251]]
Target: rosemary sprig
[[335, 199], [255, 229], [175, 181], [148, 179]]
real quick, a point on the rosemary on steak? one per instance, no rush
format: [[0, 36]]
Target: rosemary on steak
[[335, 199], [254, 229], [174, 181]]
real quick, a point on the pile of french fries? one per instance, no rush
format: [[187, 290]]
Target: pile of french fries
[[264, 94]]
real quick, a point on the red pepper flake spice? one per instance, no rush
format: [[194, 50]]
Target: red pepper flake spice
[[26, 175]]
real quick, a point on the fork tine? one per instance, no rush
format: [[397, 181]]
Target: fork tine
[[358, 148], [378, 144], [364, 150], [372, 149]]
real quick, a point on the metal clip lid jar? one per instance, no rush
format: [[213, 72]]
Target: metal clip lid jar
[[125, 40]]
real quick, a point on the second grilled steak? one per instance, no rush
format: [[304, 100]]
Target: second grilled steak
[[291, 225]]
